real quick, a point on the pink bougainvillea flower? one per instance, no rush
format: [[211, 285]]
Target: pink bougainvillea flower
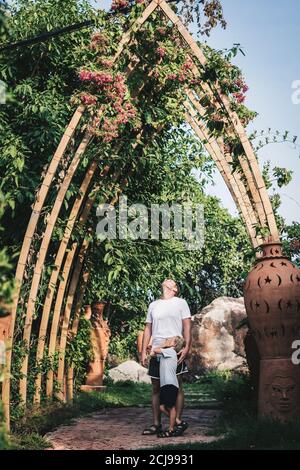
[[172, 76], [161, 51], [85, 75], [239, 83], [188, 65], [106, 63], [88, 99], [99, 38], [239, 97], [118, 4]]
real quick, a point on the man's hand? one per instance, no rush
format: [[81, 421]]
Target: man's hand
[[144, 359], [182, 355]]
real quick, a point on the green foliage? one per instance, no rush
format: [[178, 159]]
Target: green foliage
[[291, 242], [271, 136], [132, 270], [3, 438], [79, 351], [250, 434]]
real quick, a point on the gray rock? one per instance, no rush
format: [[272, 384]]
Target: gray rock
[[217, 344], [129, 370]]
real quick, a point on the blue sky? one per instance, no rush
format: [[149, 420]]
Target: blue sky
[[268, 31]]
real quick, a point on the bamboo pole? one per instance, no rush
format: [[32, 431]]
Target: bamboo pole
[[42, 255], [73, 331], [60, 256], [57, 267], [251, 219], [70, 299], [38, 205], [70, 296], [61, 291], [215, 152], [145, 15], [64, 328], [239, 129], [257, 202]]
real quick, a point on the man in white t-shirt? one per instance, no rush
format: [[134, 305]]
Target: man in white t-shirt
[[167, 317]]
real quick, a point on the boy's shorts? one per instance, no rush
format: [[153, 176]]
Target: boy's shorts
[[153, 369], [168, 395]]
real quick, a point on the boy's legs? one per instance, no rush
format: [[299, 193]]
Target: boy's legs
[[172, 418], [171, 413], [155, 401], [164, 410], [180, 400]]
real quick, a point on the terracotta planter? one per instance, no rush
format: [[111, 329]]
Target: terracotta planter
[[253, 359], [100, 334], [272, 299], [87, 312]]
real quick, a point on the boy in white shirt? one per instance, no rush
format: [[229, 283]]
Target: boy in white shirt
[[167, 356]]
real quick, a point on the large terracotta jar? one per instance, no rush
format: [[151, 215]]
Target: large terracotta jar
[[87, 312], [272, 299], [100, 335]]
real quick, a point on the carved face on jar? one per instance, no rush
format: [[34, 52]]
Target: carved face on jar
[[283, 393]]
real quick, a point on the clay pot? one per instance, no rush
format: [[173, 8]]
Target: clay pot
[[87, 312], [98, 308], [272, 300], [100, 334], [252, 356]]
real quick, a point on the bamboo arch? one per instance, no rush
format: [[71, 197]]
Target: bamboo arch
[[246, 187]]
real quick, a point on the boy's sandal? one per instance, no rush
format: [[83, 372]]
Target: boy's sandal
[[153, 429], [183, 425], [176, 432]]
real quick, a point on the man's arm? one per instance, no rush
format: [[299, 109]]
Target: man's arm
[[186, 322], [146, 340]]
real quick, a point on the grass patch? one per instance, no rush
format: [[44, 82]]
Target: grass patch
[[27, 432], [252, 434], [238, 427]]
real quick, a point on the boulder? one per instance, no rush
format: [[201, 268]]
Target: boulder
[[129, 370], [217, 344]]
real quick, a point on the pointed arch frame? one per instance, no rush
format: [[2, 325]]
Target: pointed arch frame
[[246, 186]]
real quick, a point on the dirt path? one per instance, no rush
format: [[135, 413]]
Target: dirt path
[[121, 428]]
